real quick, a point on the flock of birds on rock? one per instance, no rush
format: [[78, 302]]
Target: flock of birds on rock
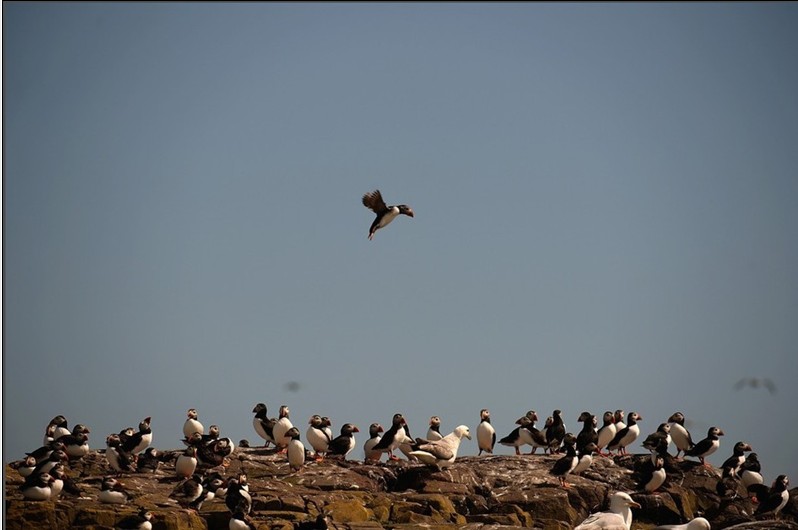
[[200, 467]]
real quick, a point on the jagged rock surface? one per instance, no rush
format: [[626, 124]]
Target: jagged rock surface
[[481, 493]]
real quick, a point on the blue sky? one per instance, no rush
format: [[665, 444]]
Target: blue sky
[[604, 196]]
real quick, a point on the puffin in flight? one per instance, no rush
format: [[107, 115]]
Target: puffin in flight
[[385, 214]]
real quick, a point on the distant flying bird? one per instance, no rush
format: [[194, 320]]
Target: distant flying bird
[[756, 382], [385, 214]]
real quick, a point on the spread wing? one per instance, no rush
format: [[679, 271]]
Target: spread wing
[[374, 202]]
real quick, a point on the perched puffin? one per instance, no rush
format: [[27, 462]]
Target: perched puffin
[[653, 474], [679, 434], [393, 437], [281, 429], [707, 446], [588, 433], [344, 444], [112, 492], [434, 431], [191, 424], [626, 436], [327, 423], [660, 440], [57, 428], [25, 466], [565, 465], [555, 433], [264, 426], [385, 214], [238, 497], [585, 458], [530, 435], [486, 434], [317, 436], [619, 424], [240, 521], [607, 432], [295, 450], [186, 463], [140, 440], [118, 459], [149, 461], [619, 516], [140, 521], [732, 465], [37, 487], [771, 499], [56, 457], [76, 445], [374, 438], [441, 453], [751, 471], [188, 492], [514, 438], [43, 453]]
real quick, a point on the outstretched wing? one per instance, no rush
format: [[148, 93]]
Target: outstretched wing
[[373, 201]]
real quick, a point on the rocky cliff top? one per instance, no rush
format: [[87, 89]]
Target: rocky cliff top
[[489, 492]]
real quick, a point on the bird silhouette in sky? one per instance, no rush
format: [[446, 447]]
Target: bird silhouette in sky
[[756, 382]]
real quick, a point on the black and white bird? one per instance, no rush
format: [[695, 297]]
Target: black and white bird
[[317, 436], [76, 445], [486, 434], [585, 458], [118, 459], [343, 444], [707, 446], [393, 437], [37, 487], [588, 433], [149, 461], [113, 492], [751, 471], [514, 439], [565, 465], [385, 214], [626, 436], [374, 438], [731, 466], [441, 453], [188, 493], [141, 440], [556, 432], [679, 433], [434, 430], [619, 516], [264, 426], [139, 521], [652, 475], [607, 432], [186, 462], [659, 440], [240, 521], [281, 428], [772, 499], [238, 497], [619, 415], [295, 449], [57, 428], [192, 424]]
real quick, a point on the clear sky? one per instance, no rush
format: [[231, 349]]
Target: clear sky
[[605, 199]]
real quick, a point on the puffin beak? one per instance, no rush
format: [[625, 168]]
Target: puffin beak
[[410, 212], [355, 429]]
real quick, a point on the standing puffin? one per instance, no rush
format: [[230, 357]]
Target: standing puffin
[[627, 435], [393, 437], [514, 439], [434, 431], [751, 471], [262, 424], [773, 499], [707, 446], [565, 465], [344, 444], [731, 467], [141, 440], [555, 433], [374, 438], [679, 434], [140, 521], [192, 425], [317, 436], [57, 428], [486, 434], [385, 214], [588, 433], [607, 432], [295, 450], [281, 429]]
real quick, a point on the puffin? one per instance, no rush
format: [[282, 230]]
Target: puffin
[[385, 214], [393, 437], [486, 434], [588, 433], [731, 466], [57, 428], [149, 461], [679, 434], [139, 521], [238, 497], [441, 453], [771, 499], [607, 432], [751, 471], [652, 475], [43, 453], [56, 457], [514, 438], [264, 426], [191, 424], [585, 458], [566, 464], [240, 521], [188, 492], [113, 492], [699, 523], [317, 436], [707, 446], [295, 450], [530, 435], [118, 459], [374, 438], [659, 440], [24, 467], [327, 423], [141, 440], [627, 435], [37, 487], [281, 429], [434, 431], [186, 463], [76, 445], [619, 424], [344, 444], [555, 433], [619, 516]]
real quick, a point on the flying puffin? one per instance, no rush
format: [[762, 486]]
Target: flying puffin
[[434, 431], [486, 434], [393, 437], [771, 499], [707, 446], [679, 434], [374, 438], [140, 521], [659, 441], [385, 214], [262, 424], [627, 435], [344, 444], [588, 433]]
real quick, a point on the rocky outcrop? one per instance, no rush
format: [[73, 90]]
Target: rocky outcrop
[[493, 492]]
